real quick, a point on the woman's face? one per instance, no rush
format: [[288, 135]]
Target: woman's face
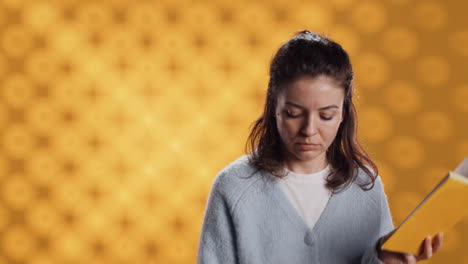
[[308, 115]]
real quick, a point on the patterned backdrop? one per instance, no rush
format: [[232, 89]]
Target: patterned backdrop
[[115, 116]]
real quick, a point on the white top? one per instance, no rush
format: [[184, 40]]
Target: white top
[[307, 193]]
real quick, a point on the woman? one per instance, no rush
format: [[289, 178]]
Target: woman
[[307, 192]]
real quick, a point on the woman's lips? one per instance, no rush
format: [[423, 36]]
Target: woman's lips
[[304, 146]]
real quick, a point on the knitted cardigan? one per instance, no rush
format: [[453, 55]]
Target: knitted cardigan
[[248, 219]]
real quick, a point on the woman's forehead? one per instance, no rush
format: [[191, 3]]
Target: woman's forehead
[[313, 94], [321, 82]]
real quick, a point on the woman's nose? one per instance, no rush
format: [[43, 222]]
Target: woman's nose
[[310, 126]]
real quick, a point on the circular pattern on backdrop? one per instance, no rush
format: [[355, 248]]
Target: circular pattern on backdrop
[[459, 42], [461, 151], [460, 98], [41, 67], [341, 4], [17, 243], [402, 97], [312, 15], [435, 126], [42, 116], [403, 203], [405, 152], [430, 15], [39, 16], [17, 192], [369, 16], [4, 218], [4, 118], [4, 166], [204, 16], [17, 141], [17, 91], [400, 2], [388, 176], [3, 16], [3, 66], [400, 42], [375, 124], [16, 40], [347, 37], [371, 69], [433, 70]]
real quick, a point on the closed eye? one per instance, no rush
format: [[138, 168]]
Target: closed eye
[[291, 115]]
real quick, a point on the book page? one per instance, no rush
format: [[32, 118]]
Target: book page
[[462, 169]]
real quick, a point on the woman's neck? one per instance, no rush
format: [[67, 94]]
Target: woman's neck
[[306, 167]]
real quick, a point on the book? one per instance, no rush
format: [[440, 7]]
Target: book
[[440, 210]]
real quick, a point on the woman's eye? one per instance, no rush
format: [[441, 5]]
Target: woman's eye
[[326, 118], [291, 115]]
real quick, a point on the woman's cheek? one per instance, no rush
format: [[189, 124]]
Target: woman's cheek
[[287, 131], [295, 129], [331, 131]]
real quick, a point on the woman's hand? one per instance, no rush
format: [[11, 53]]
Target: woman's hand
[[428, 247]]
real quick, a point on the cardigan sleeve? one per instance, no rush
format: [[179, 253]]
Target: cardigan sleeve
[[217, 239], [386, 226]]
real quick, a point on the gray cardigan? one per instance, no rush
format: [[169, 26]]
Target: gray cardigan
[[249, 220]]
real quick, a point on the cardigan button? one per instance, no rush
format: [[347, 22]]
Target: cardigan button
[[309, 239]]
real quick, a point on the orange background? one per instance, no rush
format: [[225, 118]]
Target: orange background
[[115, 116]]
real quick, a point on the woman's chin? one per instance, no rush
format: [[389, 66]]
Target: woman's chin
[[307, 154]]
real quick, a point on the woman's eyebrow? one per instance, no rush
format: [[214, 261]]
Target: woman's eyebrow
[[328, 107], [321, 108], [294, 104]]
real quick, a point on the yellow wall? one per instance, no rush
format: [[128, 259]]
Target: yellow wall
[[115, 116]]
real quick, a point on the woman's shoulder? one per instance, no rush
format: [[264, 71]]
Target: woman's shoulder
[[238, 166], [363, 177], [375, 190], [236, 177]]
